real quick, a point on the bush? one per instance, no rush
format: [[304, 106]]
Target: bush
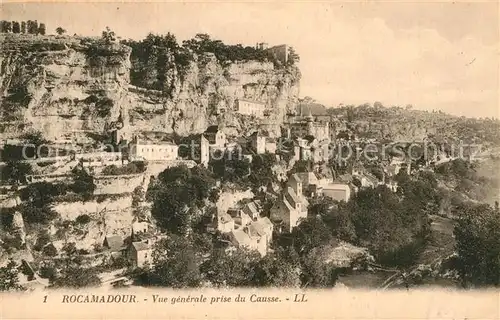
[[83, 219], [49, 250], [48, 272], [42, 240]]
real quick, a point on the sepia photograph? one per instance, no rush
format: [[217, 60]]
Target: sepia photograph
[[216, 153]]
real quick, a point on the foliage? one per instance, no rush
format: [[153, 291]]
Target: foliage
[[278, 269], [335, 216], [233, 269], [34, 137], [15, 171], [83, 183], [395, 122], [180, 191], [49, 250], [262, 173], [16, 27], [41, 194], [43, 239], [478, 245], [60, 31], [231, 168], [175, 265], [317, 273], [42, 29], [76, 277], [153, 57], [9, 278], [83, 219], [37, 199], [387, 225], [130, 168], [108, 36], [310, 233], [48, 272]]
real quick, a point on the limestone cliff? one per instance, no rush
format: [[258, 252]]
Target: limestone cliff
[[71, 87]]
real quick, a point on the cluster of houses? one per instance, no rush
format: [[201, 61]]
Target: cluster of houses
[[138, 249], [246, 226]]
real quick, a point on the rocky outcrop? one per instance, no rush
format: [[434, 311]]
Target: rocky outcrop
[[77, 88]]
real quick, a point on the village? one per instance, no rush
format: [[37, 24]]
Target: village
[[312, 138], [222, 170]]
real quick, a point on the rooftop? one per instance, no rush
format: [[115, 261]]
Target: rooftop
[[114, 242], [212, 129], [140, 246], [241, 237]]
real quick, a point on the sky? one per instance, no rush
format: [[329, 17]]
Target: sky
[[433, 55]]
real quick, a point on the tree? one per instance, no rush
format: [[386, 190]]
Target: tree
[[32, 27], [23, 27], [41, 194], [478, 245], [9, 277], [16, 27], [175, 265], [293, 57], [77, 277], [41, 29], [233, 269], [6, 26], [335, 216], [180, 193], [279, 269], [83, 182], [108, 36], [316, 272], [60, 31], [16, 171], [311, 233], [393, 229]]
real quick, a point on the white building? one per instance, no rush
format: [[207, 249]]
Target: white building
[[153, 151], [249, 107]]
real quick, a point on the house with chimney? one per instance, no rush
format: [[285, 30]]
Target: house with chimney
[[291, 206]]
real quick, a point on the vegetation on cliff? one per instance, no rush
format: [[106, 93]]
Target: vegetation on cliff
[[408, 124], [155, 56]]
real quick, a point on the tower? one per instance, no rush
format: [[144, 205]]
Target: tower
[[310, 125], [204, 151]]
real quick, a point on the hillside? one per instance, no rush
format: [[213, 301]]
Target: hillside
[[407, 124]]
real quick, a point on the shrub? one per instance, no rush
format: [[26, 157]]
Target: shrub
[[83, 219], [49, 250], [42, 240], [48, 272]]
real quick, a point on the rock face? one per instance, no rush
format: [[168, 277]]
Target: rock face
[[78, 88]]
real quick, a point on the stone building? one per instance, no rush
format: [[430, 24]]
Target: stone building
[[153, 150], [300, 127], [280, 52], [291, 207], [249, 107], [215, 136], [262, 143], [140, 254]]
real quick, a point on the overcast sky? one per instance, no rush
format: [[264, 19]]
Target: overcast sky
[[434, 55]]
